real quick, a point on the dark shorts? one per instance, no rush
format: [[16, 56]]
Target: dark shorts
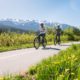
[[41, 35]]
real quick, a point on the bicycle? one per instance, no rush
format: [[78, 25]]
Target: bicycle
[[37, 42]]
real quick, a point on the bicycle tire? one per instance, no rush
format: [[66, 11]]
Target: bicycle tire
[[55, 42], [44, 43], [36, 43]]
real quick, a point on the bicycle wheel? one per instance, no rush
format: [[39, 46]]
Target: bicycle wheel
[[36, 43], [44, 43], [59, 42], [55, 42]]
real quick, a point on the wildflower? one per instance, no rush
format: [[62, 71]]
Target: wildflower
[[69, 58], [47, 65], [61, 75], [66, 70], [75, 59], [72, 73], [72, 56], [56, 63], [1, 78], [75, 79]]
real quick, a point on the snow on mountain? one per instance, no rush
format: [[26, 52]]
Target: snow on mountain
[[28, 25]]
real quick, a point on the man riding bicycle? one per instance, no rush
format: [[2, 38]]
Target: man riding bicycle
[[58, 34]]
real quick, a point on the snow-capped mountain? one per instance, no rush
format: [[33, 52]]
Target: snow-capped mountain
[[27, 25]]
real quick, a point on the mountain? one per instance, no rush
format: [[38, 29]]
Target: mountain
[[27, 25], [10, 29], [20, 24]]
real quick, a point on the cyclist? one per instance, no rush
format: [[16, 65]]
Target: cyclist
[[42, 32], [58, 34]]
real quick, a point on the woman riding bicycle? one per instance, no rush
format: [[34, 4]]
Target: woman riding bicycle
[[40, 39], [42, 32]]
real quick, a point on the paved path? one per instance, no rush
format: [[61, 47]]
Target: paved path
[[12, 62]]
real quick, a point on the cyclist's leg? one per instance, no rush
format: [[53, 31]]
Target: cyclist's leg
[[39, 37], [43, 37], [59, 39], [56, 38]]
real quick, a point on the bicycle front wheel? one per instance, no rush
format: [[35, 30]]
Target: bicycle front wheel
[[36, 43]]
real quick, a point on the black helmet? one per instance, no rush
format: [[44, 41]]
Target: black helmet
[[58, 26], [41, 24]]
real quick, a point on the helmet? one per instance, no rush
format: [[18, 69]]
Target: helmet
[[41, 24]]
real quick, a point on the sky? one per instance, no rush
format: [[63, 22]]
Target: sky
[[62, 11]]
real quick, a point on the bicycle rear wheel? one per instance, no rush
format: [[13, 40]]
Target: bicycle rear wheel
[[44, 43], [59, 42], [55, 41], [36, 43]]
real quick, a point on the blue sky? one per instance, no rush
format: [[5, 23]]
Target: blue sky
[[63, 11]]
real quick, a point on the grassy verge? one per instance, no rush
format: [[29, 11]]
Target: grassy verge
[[15, 47], [13, 41], [63, 66], [22, 46]]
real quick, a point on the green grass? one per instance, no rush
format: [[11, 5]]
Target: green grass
[[63, 66], [16, 47], [12, 41]]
